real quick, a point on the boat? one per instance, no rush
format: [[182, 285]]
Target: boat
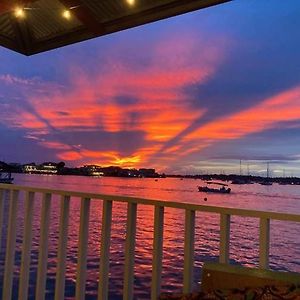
[[241, 181], [266, 183], [267, 180], [221, 190], [5, 177]]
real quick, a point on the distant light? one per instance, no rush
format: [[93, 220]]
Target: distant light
[[131, 2], [67, 14], [19, 13]]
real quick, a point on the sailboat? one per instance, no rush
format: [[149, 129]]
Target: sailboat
[[267, 181], [242, 180]]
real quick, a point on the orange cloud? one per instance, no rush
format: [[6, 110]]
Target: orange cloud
[[283, 107], [124, 97], [69, 155]]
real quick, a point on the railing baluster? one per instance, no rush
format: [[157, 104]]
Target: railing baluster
[[129, 251], [10, 246], [224, 238], [189, 245], [264, 243], [157, 251], [105, 246], [26, 246], [2, 193], [82, 248], [43, 247], [62, 248]]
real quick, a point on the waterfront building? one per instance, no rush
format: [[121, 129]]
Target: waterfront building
[[93, 170], [30, 168]]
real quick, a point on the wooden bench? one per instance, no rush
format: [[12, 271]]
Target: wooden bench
[[222, 281], [218, 276]]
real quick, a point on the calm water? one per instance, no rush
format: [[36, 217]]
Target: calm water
[[285, 239]]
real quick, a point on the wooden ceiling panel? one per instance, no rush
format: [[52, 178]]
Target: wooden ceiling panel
[[44, 25]]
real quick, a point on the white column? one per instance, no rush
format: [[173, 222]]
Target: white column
[[189, 245], [157, 251], [26, 246], [82, 248], [10, 246], [105, 246], [224, 238], [129, 251], [43, 247], [62, 248], [2, 193], [264, 243]]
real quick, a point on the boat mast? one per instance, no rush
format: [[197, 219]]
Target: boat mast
[[240, 167]]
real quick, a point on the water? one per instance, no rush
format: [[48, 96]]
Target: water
[[284, 249]]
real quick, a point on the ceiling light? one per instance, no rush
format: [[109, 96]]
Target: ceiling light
[[19, 12], [131, 2], [67, 14]]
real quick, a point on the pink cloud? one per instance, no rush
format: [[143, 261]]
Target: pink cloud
[[160, 107]]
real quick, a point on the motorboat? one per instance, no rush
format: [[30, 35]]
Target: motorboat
[[224, 189], [241, 181], [5, 177], [266, 183]]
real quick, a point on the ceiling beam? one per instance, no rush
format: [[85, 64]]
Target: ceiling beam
[[85, 16], [171, 9], [24, 37]]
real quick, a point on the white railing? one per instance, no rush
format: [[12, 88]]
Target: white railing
[[132, 203]]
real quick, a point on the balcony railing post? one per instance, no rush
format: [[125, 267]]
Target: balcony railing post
[[82, 248], [43, 247], [105, 246], [129, 251], [62, 248], [2, 193], [26, 247], [157, 251], [224, 238], [10, 246], [264, 243], [189, 245]]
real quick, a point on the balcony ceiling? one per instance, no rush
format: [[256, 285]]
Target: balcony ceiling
[[30, 26]]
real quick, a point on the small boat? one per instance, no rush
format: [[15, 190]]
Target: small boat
[[222, 190], [266, 183], [5, 177], [241, 181]]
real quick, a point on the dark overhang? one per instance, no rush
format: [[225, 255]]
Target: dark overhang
[[33, 26]]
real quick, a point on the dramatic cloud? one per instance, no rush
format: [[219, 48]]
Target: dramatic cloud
[[202, 86], [117, 112]]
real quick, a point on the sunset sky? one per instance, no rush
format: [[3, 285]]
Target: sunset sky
[[190, 94]]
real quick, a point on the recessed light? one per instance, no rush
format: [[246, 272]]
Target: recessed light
[[67, 14], [131, 2], [19, 13]]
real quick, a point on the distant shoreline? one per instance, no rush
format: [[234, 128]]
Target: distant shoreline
[[206, 177]]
